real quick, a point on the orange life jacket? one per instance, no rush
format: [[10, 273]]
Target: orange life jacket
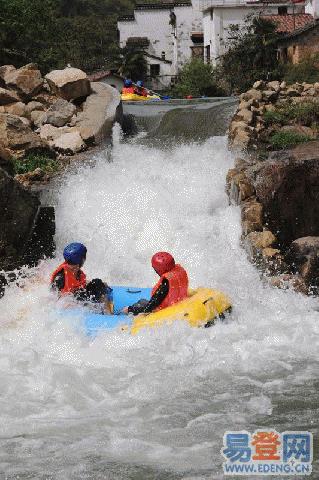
[[178, 286], [71, 282], [128, 90]]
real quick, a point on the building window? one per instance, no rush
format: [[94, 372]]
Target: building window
[[282, 10], [163, 55], [155, 70], [207, 48]]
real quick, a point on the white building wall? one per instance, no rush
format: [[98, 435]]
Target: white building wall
[[217, 20], [312, 7], [175, 43]]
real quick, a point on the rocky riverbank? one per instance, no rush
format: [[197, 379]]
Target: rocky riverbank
[[44, 123], [276, 181]]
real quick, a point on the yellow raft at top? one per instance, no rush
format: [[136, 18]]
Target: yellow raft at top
[[133, 97], [202, 307]]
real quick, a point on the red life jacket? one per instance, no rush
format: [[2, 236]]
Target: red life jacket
[[71, 282], [128, 90], [178, 286]]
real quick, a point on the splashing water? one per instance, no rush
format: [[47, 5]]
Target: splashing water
[[155, 405]]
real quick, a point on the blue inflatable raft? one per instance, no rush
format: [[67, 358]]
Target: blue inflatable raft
[[92, 322]]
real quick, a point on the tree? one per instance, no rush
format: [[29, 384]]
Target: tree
[[251, 54], [133, 64], [197, 79]]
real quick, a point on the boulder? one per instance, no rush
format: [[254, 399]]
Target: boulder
[[69, 143], [246, 116], [275, 85], [34, 106], [259, 85], [37, 117], [251, 216], [240, 187], [18, 210], [49, 132], [292, 92], [18, 108], [252, 94], [269, 95], [260, 240], [287, 185], [69, 83], [26, 80], [100, 110], [7, 96], [4, 71], [60, 113], [242, 139], [17, 137], [286, 281], [303, 255]]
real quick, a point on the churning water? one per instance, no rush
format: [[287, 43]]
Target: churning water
[[153, 406]]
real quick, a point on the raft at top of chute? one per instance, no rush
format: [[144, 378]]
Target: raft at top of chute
[[132, 92]]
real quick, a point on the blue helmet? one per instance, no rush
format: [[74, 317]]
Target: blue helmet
[[75, 253], [139, 83], [127, 82]]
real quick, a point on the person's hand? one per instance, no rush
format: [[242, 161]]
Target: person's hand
[[125, 310]]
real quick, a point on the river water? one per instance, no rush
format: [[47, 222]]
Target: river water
[[154, 406]]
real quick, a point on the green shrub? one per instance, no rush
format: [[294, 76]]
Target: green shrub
[[305, 113], [283, 140], [197, 78], [274, 117], [33, 161], [306, 71]]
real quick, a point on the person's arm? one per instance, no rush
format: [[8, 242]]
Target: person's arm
[[58, 281], [155, 301]]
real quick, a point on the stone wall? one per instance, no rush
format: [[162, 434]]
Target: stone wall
[[278, 191]]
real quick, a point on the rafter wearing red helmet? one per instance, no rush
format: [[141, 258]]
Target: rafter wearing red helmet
[[171, 288]]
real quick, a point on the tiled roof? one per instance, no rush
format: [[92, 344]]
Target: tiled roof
[[139, 41], [275, 2], [161, 4], [289, 23]]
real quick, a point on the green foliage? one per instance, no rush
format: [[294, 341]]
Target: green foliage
[[197, 78], [54, 33], [283, 140], [251, 55], [305, 113], [133, 64], [33, 161], [306, 71]]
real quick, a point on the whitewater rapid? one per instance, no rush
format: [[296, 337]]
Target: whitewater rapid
[[155, 405]]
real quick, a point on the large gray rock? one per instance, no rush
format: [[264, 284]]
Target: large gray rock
[[69, 83], [18, 209], [303, 254], [100, 110], [7, 96], [69, 143], [60, 113], [287, 185], [26, 80], [17, 137], [4, 71]]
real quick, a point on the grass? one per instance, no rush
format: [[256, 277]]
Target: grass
[[283, 140], [33, 161], [305, 113]]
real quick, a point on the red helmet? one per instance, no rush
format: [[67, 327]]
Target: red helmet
[[162, 262]]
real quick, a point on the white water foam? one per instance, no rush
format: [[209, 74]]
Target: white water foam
[[160, 401]]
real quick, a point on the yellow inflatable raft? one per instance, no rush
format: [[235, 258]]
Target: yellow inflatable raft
[[200, 309], [132, 97]]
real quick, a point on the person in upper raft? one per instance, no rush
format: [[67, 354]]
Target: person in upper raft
[[69, 278], [171, 288], [128, 87]]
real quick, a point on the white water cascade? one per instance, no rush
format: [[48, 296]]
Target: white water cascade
[[155, 405]]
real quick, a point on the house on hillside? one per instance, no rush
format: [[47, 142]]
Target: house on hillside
[[297, 45], [219, 15], [169, 32]]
